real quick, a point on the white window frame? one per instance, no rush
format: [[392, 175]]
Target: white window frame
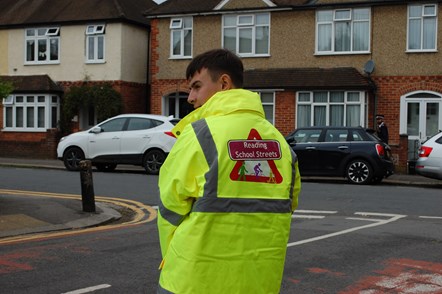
[[421, 19], [270, 104], [50, 104], [50, 36], [241, 26], [95, 33], [333, 22], [179, 30], [361, 103]]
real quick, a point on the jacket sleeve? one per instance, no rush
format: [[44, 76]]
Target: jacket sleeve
[[181, 180], [296, 188]]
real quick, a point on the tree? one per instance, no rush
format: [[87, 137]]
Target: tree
[[5, 88], [105, 99]]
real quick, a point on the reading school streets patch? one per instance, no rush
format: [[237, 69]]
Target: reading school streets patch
[[255, 159]]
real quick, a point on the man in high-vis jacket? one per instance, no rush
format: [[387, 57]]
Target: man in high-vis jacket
[[228, 189]]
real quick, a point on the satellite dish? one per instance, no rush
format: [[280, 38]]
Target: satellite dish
[[369, 67]]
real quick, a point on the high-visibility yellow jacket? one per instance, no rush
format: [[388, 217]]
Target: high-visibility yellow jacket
[[228, 189]]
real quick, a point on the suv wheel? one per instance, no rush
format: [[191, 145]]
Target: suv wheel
[[106, 167], [72, 158], [153, 160], [359, 172]]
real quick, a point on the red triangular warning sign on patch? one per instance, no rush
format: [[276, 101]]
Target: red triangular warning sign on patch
[[254, 151]]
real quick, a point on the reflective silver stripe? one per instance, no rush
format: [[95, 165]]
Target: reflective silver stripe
[[245, 205], [161, 290], [210, 202], [207, 143], [172, 217]]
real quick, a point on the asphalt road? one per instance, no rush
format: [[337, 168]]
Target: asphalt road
[[344, 239]]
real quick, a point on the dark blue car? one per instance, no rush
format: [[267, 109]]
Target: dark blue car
[[350, 152]]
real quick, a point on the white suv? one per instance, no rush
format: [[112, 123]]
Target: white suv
[[137, 139]]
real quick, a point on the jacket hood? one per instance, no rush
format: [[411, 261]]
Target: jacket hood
[[223, 103]]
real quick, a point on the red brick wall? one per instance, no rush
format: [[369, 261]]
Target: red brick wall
[[29, 144], [285, 111]]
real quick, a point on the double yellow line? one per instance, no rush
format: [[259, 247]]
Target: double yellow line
[[143, 214]]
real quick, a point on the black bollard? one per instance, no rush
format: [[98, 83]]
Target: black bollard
[[87, 186]]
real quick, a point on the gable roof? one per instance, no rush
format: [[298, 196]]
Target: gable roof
[[347, 78], [195, 7], [43, 12], [216, 6], [33, 84]]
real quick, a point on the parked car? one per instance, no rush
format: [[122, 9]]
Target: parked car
[[429, 163], [137, 139], [350, 152]]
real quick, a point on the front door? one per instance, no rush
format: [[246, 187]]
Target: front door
[[421, 115]]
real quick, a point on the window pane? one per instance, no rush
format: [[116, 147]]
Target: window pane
[[415, 10], [230, 20], [245, 41], [413, 119], [90, 49], [342, 36], [414, 38], [176, 41], [262, 40], [361, 14], [30, 47], [41, 99], [304, 97], [41, 117], [19, 117], [245, 19], [268, 110], [187, 21], [100, 49], [53, 117], [324, 37], [353, 116], [54, 49], [320, 97], [29, 99], [325, 15], [262, 19], [353, 97], [319, 116], [429, 41], [139, 124], [8, 118], [187, 43], [337, 115], [432, 119], [360, 36], [30, 117], [230, 39], [267, 98], [42, 50], [336, 96], [342, 14], [303, 117]]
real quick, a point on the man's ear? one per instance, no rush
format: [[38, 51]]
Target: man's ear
[[226, 82]]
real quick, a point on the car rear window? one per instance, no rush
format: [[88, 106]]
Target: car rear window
[[307, 136], [174, 121]]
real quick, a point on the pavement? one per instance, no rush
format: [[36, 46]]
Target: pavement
[[25, 213]]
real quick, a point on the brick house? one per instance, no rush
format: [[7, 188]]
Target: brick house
[[323, 62], [48, 46]]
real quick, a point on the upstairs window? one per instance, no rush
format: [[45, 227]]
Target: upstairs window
[[343, 31], [248, 34], [422, 27], [95, 43], [42, 45], [181, 37]]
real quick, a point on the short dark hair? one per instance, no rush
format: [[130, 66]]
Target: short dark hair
[[218, 62]]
